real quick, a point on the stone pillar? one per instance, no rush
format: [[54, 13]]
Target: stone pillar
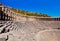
[[4, 16], [1, 15], [7, 16]]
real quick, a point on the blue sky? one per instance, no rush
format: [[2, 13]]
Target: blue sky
[[50, 7]]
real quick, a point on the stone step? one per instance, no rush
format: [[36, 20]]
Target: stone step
[[5, 27]]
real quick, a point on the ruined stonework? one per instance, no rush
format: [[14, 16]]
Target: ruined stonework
[[28, 28]]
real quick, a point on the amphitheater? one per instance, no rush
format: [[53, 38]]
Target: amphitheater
[[28, 28]]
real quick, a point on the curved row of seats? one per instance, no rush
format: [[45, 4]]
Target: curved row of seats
[[26, 30], [5, 26]]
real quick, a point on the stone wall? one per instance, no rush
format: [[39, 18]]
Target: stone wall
[[32, 18]]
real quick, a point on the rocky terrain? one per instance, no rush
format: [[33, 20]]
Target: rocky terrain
[[30, 31]]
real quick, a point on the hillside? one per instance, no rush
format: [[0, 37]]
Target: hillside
[[29, 13]]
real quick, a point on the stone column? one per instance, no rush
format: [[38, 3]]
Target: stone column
[[7, 16], [1, 15], [4, 16]]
